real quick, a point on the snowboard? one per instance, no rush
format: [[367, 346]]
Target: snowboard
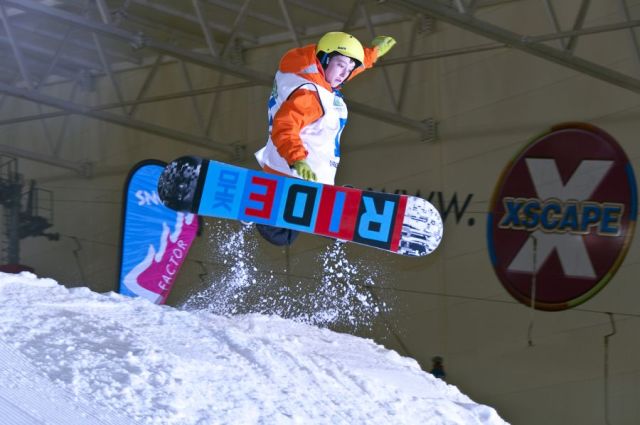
[[402, 224]]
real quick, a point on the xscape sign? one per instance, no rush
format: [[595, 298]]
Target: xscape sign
[[562, 216]]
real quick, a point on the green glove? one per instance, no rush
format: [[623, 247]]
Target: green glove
[[383, 43], [304, 170]]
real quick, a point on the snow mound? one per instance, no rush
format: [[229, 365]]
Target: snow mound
[[158, 365]]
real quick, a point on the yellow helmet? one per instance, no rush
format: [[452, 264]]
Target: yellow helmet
[[343, 43]]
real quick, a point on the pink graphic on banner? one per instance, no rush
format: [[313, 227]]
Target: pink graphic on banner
[[154, 276]]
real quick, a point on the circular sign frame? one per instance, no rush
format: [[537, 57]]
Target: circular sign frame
[[562, 217]]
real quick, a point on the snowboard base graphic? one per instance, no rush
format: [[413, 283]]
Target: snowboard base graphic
[[401, 224]]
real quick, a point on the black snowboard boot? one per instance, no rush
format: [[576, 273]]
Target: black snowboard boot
[[277, 235]]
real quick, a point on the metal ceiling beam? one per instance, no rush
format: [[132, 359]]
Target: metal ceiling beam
[[634, 39], [462, 8], [318, 10], [38, 68], [140, 100], [211, 42], [230, 44], [65, 122], [494, 32], [194, 101], [235, 28], [424, 128], [105, 13], [551, 11], [318, 30], [191, 18], [287, 18], [79, 167], [137, 39], [54, 59], [407, 68], [584, 31], [14, 47], [40, 98], [493, 46], [200, 59], [582, 15], [471, 7], [74, 42], [351, 16], [35, 52], [146, 84], [144, 24], [106, 67], [258, 16], [444, 54], [385, 72]]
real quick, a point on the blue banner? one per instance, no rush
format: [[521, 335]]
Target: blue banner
[[155, 239]]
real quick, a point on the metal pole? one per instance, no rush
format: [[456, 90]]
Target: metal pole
[[65, 121], [471, 8], [11, 199], [107, 68], [385, 74], [606, 367], [287, 18], [13, 223], [533, 290], [54, 60], [213, 106], [407, 68], [236, 26], [460, 6], [259, 16], [351, 15], [105, 14], [194, 100], [211, 43], [632, 32], [146, 84], [554, 20], [582, 14]]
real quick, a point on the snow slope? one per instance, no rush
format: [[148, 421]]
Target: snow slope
[[69, 353]]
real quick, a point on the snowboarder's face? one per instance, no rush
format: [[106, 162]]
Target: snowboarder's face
[[338, 70]]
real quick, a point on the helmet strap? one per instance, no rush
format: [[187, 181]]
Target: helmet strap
[[323, 57]]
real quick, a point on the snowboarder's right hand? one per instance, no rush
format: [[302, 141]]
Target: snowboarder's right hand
[[304, 170]]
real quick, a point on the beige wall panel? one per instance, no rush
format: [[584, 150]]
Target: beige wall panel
[[622, 292], [470, 275], [570, 403]]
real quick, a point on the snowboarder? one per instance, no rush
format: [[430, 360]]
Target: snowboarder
[[307, 113]]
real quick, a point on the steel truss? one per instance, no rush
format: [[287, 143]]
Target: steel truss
[[79, 41]]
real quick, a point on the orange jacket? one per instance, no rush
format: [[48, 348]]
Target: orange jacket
[[303, 106]]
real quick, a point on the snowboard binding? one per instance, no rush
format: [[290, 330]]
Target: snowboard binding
[[178, 182]]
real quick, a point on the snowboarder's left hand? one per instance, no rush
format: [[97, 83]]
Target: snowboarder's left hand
[[304, 170], [382, 44]]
